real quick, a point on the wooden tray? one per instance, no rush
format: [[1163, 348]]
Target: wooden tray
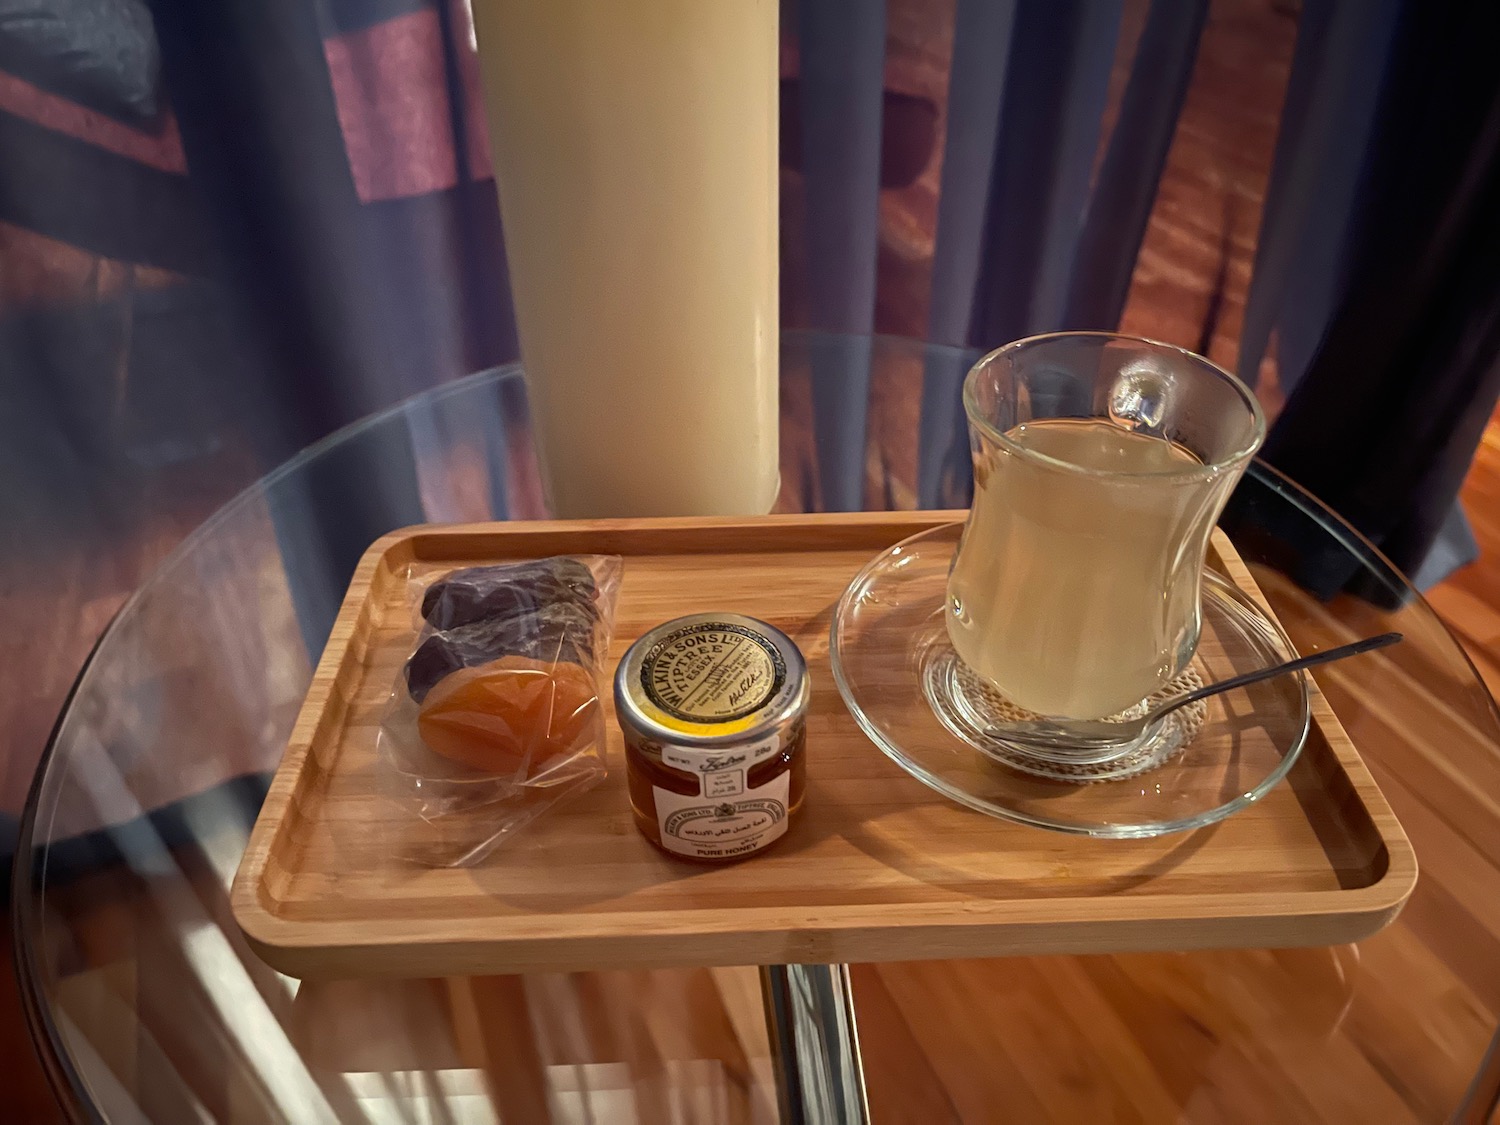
[[878, 867]]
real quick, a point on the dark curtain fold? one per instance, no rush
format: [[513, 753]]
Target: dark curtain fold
[[225, 231], [332, 287], [1385, 422]]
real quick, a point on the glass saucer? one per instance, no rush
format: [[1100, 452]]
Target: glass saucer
[[904, 686]]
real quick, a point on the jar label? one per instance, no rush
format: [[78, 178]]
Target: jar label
[[727, 819], [712, 672], [740, 757]]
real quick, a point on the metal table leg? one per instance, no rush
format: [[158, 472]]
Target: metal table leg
[[814, 1044]]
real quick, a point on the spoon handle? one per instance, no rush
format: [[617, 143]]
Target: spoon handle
[[1369, 644]]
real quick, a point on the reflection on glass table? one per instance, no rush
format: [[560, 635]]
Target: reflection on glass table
[[147, 1005]]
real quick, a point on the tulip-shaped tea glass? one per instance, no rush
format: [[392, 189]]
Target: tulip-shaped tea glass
[[1101, 464]]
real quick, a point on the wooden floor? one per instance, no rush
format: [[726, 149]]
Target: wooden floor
[[1469, 601], [1390, 1031]]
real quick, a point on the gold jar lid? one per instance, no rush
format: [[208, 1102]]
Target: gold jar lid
[[711, 680]]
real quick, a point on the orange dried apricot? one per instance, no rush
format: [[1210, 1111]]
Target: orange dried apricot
[[508, 715]]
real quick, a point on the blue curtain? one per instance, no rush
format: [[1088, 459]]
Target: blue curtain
[[226, 230], [1403, 371]]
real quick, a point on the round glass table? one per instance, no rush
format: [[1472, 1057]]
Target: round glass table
[[147, 1005]]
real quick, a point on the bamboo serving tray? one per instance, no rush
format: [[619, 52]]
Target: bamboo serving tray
[[877, 868]]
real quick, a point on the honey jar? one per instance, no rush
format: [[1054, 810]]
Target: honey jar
[[714, 712]]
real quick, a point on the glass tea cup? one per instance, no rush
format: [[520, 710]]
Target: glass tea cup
[[1101, 464]]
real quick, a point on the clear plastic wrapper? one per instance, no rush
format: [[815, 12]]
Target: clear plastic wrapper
[[495, 717]]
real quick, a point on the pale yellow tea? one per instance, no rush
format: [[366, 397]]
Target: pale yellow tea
[[1075, 591]]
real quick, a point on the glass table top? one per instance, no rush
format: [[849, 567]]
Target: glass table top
[[147, 1005]]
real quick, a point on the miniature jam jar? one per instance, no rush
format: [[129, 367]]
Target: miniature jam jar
[[714, 711]]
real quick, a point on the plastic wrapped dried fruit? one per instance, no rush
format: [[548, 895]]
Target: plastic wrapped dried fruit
[[555, 633], [481, 593], [495, 717], [508, 715]]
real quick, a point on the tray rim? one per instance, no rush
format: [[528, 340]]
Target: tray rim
[[1176, 921]]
